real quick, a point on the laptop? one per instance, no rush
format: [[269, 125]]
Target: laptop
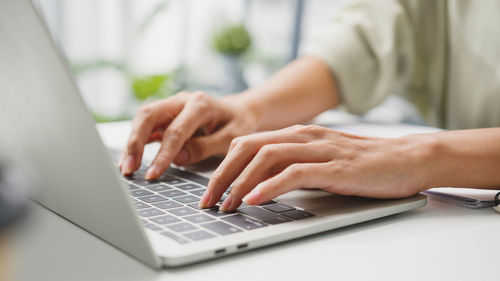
[[43, 120]]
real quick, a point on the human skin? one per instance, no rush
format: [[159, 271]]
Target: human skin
[[261, 166]]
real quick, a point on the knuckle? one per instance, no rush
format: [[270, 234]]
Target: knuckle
[[182, 94], [238, 142], [295, 170], [200, 97], [217, 175], [146, 110], [133, 143], [162, 157], [174, 133], [296, 127], [273, 184], [314, 130], [267, 151], [245, 144], [235, 141]]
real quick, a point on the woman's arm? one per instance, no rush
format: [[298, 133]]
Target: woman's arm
[[465, 158], [293, 95]]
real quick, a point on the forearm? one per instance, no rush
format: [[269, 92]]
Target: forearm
[[295, 94], [466, 158]]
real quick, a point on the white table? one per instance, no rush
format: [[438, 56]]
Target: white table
[[437, 242]]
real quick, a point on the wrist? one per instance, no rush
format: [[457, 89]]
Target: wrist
[[424, 152]]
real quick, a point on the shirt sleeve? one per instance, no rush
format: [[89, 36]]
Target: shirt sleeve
[[369, 47]]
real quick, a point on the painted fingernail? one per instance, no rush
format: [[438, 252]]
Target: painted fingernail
[[181, 157], [226, 204], [205, 199], [128, 165], [252, 198], [152, 173]]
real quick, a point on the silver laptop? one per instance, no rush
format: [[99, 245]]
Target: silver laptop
[[43, 120]]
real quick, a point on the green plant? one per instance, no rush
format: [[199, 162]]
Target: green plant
[[153, 86], [232, 40]]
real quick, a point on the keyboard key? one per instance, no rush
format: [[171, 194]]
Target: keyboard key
[[188, 175], [132, 187], [141, 205], [198, 192], [268, 203], [214, 211], [173, 181], [165, 177], [181, 227], [243, 222], [143, 182], [167, 219], [188, 186], [167, 205], [173, 193], [140, 192], [264, 215], [194, 206], [184, 211], [151, 212], [297, 214], [187, 199], [152, 198], [278, 208], [199, 218], [176, 238], [220, 228], [159, 187], [153, 227], [199, 235]]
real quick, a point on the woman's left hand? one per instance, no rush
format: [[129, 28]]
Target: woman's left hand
[[262, 166]]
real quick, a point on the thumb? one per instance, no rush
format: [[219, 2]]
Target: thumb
[[202, 147]]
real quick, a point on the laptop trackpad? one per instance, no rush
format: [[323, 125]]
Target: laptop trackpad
[[324, 203]]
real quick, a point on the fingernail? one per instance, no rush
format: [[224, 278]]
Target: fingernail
[[205, 199], [226, 204], [128, 165], [181, 157], [152, 173], [252, 197]]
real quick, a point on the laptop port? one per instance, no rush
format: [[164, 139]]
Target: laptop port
[[242, 246], [220, 251]]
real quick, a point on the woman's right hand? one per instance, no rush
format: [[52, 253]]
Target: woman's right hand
[[190, 126]]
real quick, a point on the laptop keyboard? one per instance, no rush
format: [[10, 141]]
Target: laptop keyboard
[[169, 206]]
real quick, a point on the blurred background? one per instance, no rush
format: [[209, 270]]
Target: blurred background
[[127, 52]]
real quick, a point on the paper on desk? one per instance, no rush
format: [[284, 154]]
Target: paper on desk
[[468, 197]]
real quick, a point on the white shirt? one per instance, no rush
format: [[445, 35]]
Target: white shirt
[[444, 56]]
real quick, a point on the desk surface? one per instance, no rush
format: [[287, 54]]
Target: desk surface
[[437, 242]]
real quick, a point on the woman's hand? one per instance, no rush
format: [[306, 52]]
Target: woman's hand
[[263, 166], [190, 126]]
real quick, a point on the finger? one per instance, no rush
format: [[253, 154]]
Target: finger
[[200, 148], [148, 119], [194, 114], [268, 160], [242, 152], [308, 175]]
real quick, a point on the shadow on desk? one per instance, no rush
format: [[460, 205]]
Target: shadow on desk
[[54, 249]]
